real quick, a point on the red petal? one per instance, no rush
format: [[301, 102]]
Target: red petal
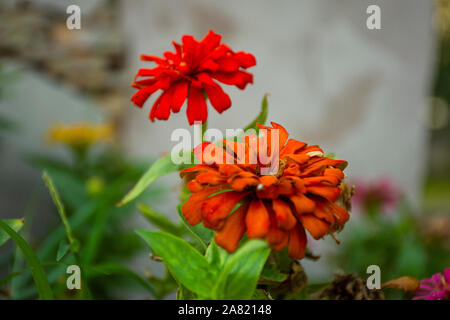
[[210, 41], [246, 60], [158, 60], [179, 95], [190, 46], [154, 108], [227, 64], [219, 99], [238, 78], [162, 111], [142, 95], [196, 107]]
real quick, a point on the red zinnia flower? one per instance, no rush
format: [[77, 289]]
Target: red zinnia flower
[[189, 72], [278, 208]]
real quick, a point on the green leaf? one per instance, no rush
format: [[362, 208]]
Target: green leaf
[[273, 275], [262, 116], [184, 294], [159, 220], [201, 234], [37, 271], [8, 278], [15, 224], [63, 248], [117, 269], [185, 263], [159, 168], [239, 276], [216, 256], [59, 206]]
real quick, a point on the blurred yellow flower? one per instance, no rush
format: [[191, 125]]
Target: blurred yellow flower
[[95, 185], [80, 135], [442, 17]]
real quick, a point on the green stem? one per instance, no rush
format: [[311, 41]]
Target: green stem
[[74, 244], [204, 128], [60, 208]]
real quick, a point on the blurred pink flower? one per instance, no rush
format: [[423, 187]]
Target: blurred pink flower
[[435, 288], [379, 195]]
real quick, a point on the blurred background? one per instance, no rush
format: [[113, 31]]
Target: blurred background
[[377, 98]]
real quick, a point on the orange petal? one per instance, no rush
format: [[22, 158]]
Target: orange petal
[[280, 246], [194, 186], [217, 208], [311, 149], [191, 209], [282, 133], [229, 236], [302, 204], [257, 220], [242, 180], [323, 212], [211, 178], [285, 187], [330, 180], [296, 182], [268, 192], [320, 163], [340, 213], [195, 169], [316, 227], [283, 214], [210, 153], [292, 146], [275, 236], [292, 169], [297, 242], [268, 180], [229, 170], [334, 172], [299, 158], [330, 193]]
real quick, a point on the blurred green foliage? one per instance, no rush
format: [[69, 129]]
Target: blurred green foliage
[[397, 243], [89, 190]]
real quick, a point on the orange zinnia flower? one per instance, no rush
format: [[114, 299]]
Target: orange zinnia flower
[[191, 73], [300, 195]]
